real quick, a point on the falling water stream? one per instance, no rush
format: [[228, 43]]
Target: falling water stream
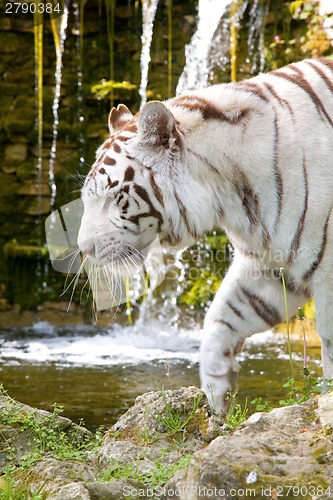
[[59, 26], [196, 71], [149, 8]]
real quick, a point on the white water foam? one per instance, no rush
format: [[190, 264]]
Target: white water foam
[[95, 346], [88, 346]]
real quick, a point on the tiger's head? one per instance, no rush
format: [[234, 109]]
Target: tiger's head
[[129, 197]]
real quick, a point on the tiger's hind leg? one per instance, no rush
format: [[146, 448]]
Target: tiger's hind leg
[[249, 300]]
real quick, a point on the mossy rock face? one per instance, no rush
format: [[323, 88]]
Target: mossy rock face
[[14, 250], [26, 171], [20, 125], [9, 189], [16, 152]]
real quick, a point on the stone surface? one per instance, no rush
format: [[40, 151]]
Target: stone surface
[[71, 491], [325, 411], [16, 152], [114, 490], [54, 478], [152, 410], [287, 453], [30, 188], [269, 452]]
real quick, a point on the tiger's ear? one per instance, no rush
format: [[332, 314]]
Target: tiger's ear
[[156, 125], [118, 118]]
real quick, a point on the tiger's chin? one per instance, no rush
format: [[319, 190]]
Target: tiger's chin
[[127, 258]]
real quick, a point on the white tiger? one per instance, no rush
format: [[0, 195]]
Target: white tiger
[[254, 158]]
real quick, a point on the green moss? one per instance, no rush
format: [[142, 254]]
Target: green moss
[[19, 126], [153, 478], [323, 454], [25, 264], [105, 88], [26, 171], [13, 250], [266, 484], [218, 241], [202, 290]]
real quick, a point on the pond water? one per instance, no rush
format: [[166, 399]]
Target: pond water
[[96, 373]]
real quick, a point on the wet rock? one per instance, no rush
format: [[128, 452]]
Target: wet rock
[[30, 189], [16, 152], [40, 206], [9, 169], [4, 305]]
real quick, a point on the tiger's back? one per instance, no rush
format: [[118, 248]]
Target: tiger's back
[[254, 158], [271, 139]]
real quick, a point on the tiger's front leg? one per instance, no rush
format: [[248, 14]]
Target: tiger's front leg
[[250, 300]]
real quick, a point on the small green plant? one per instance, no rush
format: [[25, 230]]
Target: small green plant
[[9, 491], [163, 472], [118, 470], [292, 394], [176, 420], [261, 405], [44, 434], [153, 478], [236, 414], [298, 394]]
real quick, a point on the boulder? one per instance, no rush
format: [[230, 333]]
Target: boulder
[[285, 453]]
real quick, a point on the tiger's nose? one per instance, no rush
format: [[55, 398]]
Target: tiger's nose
[[88, 248]]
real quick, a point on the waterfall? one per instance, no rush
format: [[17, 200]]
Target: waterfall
[[59, 34], [196, 71], [162, 307], [256, 37], [149, 8]]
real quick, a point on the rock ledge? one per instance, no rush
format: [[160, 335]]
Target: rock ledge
[[169, 445]]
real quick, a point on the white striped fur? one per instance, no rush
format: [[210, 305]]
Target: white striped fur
[[254, 158]]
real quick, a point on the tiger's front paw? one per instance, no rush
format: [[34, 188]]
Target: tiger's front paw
[[217, 389], [218, 374]]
